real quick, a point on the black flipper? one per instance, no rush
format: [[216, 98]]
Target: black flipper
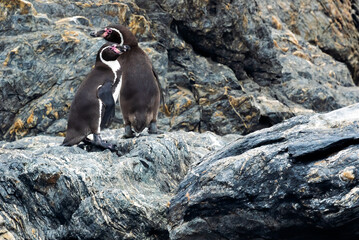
[[159, 84], [164, 106], [105, 94]]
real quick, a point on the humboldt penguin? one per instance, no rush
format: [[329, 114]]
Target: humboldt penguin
[[93, 105], [140, 89]]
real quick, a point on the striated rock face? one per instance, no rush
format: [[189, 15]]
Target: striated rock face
[[53, 192], [244, 35], [227, 66], [277, 50], [296, 180]]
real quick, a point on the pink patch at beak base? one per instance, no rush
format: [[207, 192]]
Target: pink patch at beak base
[[113, 48], [105, 34]]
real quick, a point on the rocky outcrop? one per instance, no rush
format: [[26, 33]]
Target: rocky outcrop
[[226, 67], [278, 52], [53, 192], [296, 180]]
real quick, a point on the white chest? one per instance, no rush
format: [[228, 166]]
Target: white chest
[[115, 66]]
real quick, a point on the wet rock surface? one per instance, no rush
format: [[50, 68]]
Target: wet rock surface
[[226, 67], [296, 180]]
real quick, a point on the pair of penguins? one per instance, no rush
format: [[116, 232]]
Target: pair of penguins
[[122, 71]]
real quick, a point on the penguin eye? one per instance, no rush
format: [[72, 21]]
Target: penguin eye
[[109, 31]]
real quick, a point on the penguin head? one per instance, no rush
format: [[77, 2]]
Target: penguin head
[[111, 51], [118, 34]]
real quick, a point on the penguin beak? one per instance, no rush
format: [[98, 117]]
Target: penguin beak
[[123, 48], [115, 49], [93, 34], [97, 34]]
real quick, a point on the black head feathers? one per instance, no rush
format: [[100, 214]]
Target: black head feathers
[[111, 51], [118, 34]]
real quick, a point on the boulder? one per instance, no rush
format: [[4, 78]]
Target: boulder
[[295, 180], [52, 192], [288, 57]]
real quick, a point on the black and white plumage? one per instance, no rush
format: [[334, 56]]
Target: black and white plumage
[[93, 106], [140, 89]]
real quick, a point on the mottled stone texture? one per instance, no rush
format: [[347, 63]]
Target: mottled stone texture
[[296, 180], [226, 66], [53, 192]]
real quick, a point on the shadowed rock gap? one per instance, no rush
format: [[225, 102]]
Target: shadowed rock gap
[[192, 38], [315, 154]]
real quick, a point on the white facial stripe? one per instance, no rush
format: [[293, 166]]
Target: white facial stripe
[[116, 94], [116, 30], [114, 65]]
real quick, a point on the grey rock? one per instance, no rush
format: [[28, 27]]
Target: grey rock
[[295, 180], [277, 61], [224, 67], [44, 63], [52, 192]]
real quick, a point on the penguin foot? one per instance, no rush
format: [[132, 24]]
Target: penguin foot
[[106, 145], [98, 142], [87, 141], [128, 132], [152, 129]]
